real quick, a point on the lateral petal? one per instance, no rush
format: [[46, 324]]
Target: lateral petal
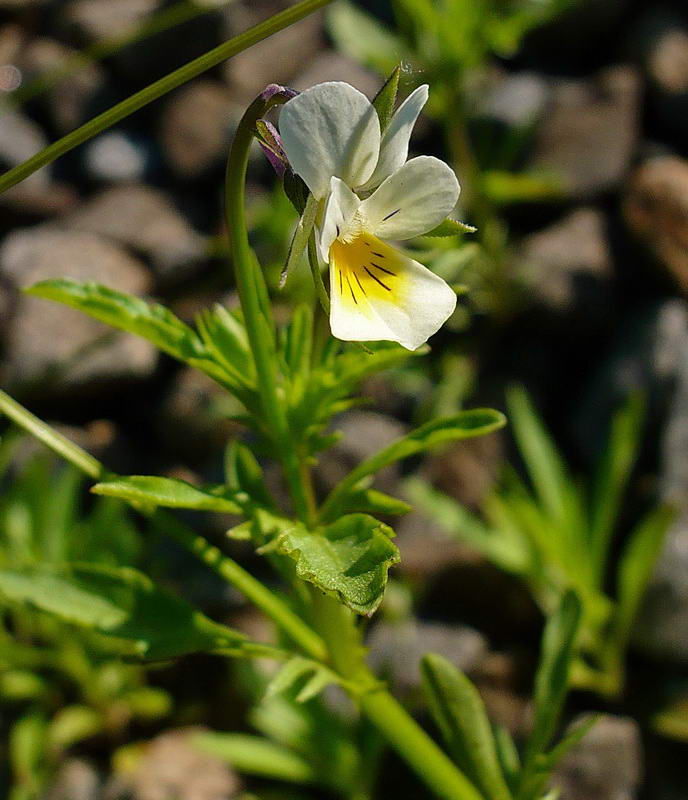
[[412, 201], [341, 205], [330, 129]]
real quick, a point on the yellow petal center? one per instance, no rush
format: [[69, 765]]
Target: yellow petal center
[[366, 270]]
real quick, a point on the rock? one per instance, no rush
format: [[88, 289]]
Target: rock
[[145, 220], [589, 131], [101, 19], [21, 138], [173, 768], [272, 60], [58, 346], [76, 779], [605, 765], [115, 157], [197, 126], [397, 648], [655, 208], [468, 470], [332, 66], [363, 434], [425, 548], [568, 266], [516, 98]]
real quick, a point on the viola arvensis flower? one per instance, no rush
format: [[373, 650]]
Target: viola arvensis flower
[[369, 193]]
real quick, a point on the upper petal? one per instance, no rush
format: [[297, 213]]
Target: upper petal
[[330, 129], [412, 201], [340, 207], [395, 140]]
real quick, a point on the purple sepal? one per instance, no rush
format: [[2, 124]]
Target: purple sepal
[[274, 88], [271, 144]]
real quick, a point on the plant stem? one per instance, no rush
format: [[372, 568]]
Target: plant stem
[[260, 336], [161, 87]]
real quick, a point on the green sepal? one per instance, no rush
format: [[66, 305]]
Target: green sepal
[[348, 560], [154, 491], [451, 227], [385, 100]]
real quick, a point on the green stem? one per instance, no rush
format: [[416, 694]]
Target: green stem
[[271, 605], [250, 282], [161, 87]]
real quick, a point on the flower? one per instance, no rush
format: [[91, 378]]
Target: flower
[[369, 193]]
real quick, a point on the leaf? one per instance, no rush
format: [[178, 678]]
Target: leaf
[[121, 603], [156, 491], [552, 677], [504, 188], [451, 227], [244, 474], [254, 755], [367, 501], [361, 36], [613, 472], [72, 724], [463, 425], [299, 343], [226, 341], [348, 560], [460, 715], [573, 735], [508, 756], [294, 671], [635, 568], [385, 100], [123, 311]]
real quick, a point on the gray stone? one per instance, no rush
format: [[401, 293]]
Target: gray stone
[[101, 19], [115, 157], [589, 131], [172, 767], [656, 210], [425, 548], [145, 220], [76, 779], [197, 126], [397, 648], [58, 346], [569, 264], [607, 764], [272, 60], [516, 98]]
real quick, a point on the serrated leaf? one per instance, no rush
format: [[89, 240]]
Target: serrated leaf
[[385, 100], [464, 425], [122, 603], [451, 227], [460, 715], [348, 560], [153, 491], [126, 312]]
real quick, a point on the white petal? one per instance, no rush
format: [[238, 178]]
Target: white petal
[[330, 129], [395, 140], [376, 293], [412, 201], [341, 205]]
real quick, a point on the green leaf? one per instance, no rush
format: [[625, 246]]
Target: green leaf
[[464, 425], [225, 339], [613, 472], [153, 491], [72, 724], [366, 501], [348, 560], [254, 755], [385, 100], [635, 568], [504, 188], [244, 474], [299, 343], [121, 603], [508, 756], [573, 735], [294, 671], [460, 714], [125, 312], [552, 677], [361, 36], [451, 227]]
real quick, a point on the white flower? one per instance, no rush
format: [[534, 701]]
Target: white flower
[[331, 135]]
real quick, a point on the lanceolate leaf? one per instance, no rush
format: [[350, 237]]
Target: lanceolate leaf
[[451, 227], [461, 717], [126, 312], [348, 560], [463, 425], [386, 98], [368, 501], [169, 492], [122, 603]]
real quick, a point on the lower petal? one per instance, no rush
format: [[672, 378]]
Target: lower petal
[[377, 293]]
